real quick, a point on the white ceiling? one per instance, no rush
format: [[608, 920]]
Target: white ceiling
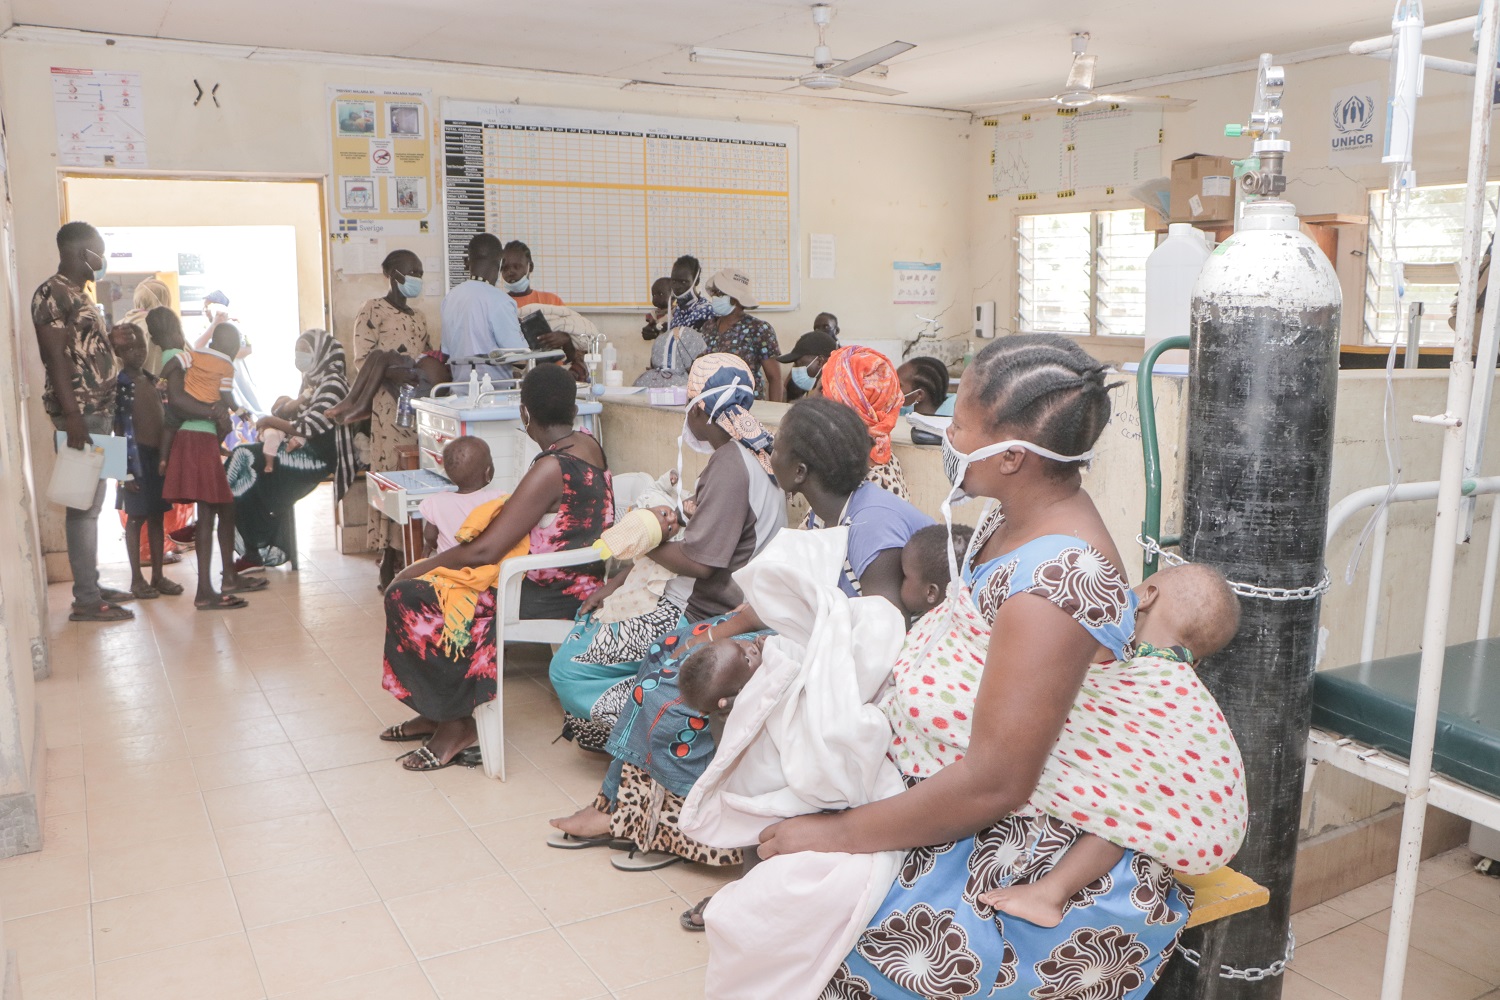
[[968, 51]]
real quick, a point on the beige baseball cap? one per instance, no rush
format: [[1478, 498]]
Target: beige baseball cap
[[735, 283]]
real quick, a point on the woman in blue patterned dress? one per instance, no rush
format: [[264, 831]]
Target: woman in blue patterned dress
[[1046, 581]]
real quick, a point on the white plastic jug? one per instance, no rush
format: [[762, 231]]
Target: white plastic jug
[[1171, 272], [75, 477]]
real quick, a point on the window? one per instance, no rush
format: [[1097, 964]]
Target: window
[[1429, 229], [1084, 272]]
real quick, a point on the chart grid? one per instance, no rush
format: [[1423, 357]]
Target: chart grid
[[605, 211]]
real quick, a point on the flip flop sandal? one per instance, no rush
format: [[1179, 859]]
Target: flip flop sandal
[[146, 593], [111, 596], [568, 842], [247, 585], [644, 861], [693, 920], [226, 602], [426, 760], [170, 588], [105, 612], [398, 734]]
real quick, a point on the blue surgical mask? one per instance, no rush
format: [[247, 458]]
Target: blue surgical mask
[[802, 379], [518, 287], [722, 305], [905, 410], [103, 268], [410, 286]]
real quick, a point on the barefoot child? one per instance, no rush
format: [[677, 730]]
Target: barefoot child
[[1186, 612], [468, 465], [197, 383], [139, 420]]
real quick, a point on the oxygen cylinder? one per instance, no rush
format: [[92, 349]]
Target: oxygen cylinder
[[1264, 363]]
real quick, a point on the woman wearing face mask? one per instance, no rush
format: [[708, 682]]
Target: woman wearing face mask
[[390, 343], [807, 358], [734, 331], [865, 381], [440, 612], [924, 388], [738, 509], [1041, 595], [314, 447]]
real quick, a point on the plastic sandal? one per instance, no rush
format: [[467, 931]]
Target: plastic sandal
[[644, 861]]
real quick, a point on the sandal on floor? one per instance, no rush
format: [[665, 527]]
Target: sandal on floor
[[170, 588], [692, 920], [423, 759], [398, 734], [226, 602], [105, 612], [109, 595], [567, 842], [644, 861], [246, 585], [145, 592]]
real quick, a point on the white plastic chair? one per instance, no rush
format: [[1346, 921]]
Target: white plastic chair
[[489, 718], [628, 487]]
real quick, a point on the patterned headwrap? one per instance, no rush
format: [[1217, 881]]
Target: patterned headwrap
[[865, 381], [730, 390]]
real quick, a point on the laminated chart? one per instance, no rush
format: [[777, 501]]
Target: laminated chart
[[101, 118], [607, 201]]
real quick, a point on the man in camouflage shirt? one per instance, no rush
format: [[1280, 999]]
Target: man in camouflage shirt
[[79, 396]]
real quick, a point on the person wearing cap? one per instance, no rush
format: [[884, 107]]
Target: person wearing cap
[[807, 358], [733, 331]]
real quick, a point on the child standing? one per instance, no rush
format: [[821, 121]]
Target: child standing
[[468, 465], [139, 419], [197, 384]]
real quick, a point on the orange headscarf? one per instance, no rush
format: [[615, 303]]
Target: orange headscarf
[[865, 381]]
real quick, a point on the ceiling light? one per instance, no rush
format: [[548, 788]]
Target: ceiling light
[[742, 57]]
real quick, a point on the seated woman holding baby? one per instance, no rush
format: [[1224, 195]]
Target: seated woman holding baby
[[440, 612], [980, 700]]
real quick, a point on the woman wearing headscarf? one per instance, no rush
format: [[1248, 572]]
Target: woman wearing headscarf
[[735, 511], [865, 381], [314, 447]]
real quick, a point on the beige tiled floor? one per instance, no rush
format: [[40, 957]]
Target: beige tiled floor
[[222, 822]]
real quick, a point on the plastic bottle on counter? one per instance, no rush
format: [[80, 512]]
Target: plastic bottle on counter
[[1171, 272], [610, 356]]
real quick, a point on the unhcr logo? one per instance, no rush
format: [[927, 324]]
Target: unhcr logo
[[1353, 114]]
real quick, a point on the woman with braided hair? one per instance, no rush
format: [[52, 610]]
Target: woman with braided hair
[[924, 388], [978, 707]]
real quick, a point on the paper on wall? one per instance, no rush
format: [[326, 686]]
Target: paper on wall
[[915, 282], [101, 118], [357, 254], [821, 256]]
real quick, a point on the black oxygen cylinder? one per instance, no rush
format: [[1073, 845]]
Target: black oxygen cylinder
[[1264, 382]]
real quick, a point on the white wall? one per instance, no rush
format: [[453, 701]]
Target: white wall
[[890, 184], [1313, 186]]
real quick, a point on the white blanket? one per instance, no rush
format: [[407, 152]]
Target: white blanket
[[803, 737]]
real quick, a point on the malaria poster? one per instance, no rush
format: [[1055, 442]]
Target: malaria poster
[[382, 170]]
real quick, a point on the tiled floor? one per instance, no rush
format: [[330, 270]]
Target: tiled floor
[[222, 822]]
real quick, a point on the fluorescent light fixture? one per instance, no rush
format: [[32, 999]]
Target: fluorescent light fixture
[[741, 57]]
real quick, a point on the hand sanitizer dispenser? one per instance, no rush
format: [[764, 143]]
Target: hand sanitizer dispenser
[[984, 320]]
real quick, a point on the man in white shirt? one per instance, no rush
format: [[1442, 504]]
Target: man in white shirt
[[477, 316]]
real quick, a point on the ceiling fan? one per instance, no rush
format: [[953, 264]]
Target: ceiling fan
[[1078, 92], [824, 71]]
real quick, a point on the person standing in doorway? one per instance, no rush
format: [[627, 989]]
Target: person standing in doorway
[[79, 396], [478, 317]]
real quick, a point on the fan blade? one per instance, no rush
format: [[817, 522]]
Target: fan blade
[[874, 57], [870, 88], [1127, 101], [1081, 75], [727, 76]]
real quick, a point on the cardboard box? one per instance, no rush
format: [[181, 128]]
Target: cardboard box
[[1202, 189]]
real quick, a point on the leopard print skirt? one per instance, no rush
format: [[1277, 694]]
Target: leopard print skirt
[[647, 814]]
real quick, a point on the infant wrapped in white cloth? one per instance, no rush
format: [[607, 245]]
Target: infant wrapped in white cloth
[[803, 737]]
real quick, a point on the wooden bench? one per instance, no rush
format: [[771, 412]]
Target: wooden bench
[[1221, 894]]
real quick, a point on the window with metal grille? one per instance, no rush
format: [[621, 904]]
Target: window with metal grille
[[1083, 273], [1428, 230]]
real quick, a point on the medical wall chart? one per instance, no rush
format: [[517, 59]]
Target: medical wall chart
[[101, 118], [607, 201], [1056, 153], [382, 193]]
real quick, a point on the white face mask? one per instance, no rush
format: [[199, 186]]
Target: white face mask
[[304, 361], [956, 466], [693, 441], [518, 287]]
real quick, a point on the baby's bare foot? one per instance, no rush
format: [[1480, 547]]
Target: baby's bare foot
[[1029, 902], [586, 822]]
